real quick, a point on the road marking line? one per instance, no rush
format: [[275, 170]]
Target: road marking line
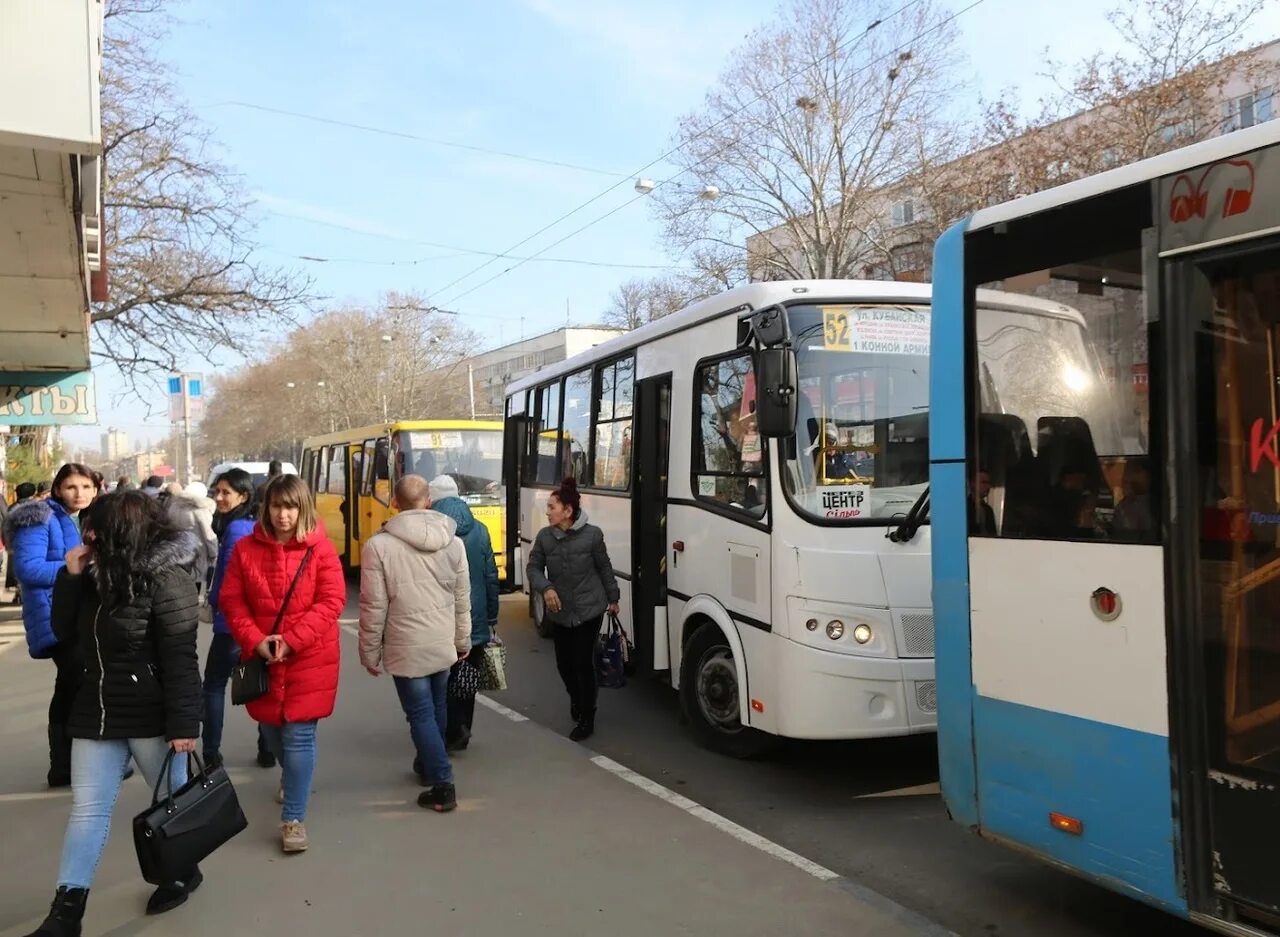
[[501, 710], [918, 922], [725, 825], [41, 795], [920, 790]]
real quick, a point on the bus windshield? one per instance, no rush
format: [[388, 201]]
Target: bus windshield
[[473, 458], [861, 448]]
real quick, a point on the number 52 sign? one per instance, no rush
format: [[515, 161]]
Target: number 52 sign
[[886, 330]]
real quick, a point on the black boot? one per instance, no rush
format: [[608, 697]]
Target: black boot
[[439, 797], [169, 896], [59, 756], [265, 757], [65, 914], [574, 713], [585, 727]]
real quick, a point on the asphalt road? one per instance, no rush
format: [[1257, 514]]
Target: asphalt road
[[867, 810]]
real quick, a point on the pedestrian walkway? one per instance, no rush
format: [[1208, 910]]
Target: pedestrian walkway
[[545, 840], [11, 631]]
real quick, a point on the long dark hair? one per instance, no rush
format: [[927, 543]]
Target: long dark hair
[[69, 469], [123, 528]]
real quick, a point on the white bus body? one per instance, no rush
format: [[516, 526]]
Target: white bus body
[[789, 613]]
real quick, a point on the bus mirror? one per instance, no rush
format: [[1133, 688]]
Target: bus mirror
[[770, 327], [776, 387]]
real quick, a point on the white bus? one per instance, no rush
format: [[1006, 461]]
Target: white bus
[[766, 544]]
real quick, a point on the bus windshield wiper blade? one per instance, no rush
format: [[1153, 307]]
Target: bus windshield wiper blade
[[915, 519]]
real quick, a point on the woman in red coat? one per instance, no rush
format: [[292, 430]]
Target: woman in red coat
[[303, 652]]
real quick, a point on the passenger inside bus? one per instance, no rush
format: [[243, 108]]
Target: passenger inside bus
[[1132, 519], [982, 519]]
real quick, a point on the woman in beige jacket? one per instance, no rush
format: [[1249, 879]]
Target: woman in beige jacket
[[415, 623]]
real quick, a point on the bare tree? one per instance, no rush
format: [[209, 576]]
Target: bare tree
[[1173, 82], [816, 116], [350, 367], [178, 228], [643, 300]]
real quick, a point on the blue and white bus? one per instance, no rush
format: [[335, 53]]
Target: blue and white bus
[[1105, 502]]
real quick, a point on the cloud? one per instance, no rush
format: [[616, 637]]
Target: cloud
[[669, 44]]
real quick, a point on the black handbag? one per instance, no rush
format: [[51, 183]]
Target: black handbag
[[464, 681], [176, 833], [249, 678]]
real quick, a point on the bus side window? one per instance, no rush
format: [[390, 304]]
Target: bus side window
[[380, 474]]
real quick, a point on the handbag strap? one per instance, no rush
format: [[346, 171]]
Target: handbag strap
[[165, 775], [288, 595]]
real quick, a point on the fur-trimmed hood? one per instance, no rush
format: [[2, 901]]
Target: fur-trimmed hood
[[30, 513]]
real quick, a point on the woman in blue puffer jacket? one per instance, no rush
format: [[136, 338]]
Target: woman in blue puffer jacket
[[40, 532], [237, 511]]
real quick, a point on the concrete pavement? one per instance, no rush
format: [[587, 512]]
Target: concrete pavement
[[546, 840]]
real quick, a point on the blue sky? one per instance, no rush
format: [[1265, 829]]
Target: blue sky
[[595, 83]]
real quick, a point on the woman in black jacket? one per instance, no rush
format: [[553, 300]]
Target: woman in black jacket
[[128, 598], [570, 568]]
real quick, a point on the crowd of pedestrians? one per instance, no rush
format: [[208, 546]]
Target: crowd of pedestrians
[[114, 586]]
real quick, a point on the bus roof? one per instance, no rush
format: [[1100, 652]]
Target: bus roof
[[750, 296], [373, 431], [760, 295], [1198, 154]]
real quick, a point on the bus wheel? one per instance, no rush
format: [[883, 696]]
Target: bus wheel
[[710, 696], [538, 612]]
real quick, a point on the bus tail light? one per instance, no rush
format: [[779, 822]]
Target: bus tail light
[[1066, 824], [757, 705]]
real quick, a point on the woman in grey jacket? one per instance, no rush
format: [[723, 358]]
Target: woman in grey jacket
[[570, 567]]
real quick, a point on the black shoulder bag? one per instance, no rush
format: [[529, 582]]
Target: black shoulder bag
[[249, 678]]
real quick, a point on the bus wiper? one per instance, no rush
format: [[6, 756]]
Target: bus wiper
[[916, 517]]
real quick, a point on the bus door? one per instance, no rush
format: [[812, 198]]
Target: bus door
[[652, 447], [515, 439], [1229, 631], [351, 504]]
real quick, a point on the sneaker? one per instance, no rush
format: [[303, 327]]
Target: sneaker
[[293, 836], [266, 760], [439, 797], [583, 730], [213, 760]]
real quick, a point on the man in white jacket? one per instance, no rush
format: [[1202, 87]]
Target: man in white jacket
[[415, 623]]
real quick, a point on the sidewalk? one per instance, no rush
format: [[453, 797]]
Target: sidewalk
[[544, 841]]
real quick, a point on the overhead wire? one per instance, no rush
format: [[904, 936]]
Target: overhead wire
[[405, 135], [860, 36]]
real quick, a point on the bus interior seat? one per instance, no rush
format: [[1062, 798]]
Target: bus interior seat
[[1064, 442], [1004, 451]]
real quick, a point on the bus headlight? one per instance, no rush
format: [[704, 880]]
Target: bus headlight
[[862, 633], [835, 629]]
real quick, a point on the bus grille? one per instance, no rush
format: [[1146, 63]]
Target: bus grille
[[927, 696], [917, 634]]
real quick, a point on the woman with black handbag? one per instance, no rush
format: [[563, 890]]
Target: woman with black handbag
[[127, 596], [569, 567], [282, 596]]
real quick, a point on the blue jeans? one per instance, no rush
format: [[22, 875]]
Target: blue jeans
[[294, 744], [425, 704], [223, 656], [97, 771]]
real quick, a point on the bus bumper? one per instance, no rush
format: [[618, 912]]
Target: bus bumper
[[825, 695]]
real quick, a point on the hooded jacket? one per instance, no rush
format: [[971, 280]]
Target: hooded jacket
[[415, 596], [576, 564], [483, 568], [234, 527], [303, 686], [195, 514], [142, 675], [39, 534]]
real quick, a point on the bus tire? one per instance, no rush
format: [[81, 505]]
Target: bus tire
[[538, 612], [709, 697]]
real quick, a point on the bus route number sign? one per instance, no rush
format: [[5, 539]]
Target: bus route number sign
[[885, 330]]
